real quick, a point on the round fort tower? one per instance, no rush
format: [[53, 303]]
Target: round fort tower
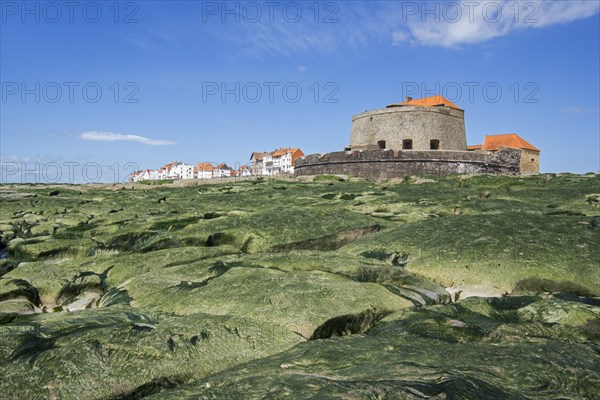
[[432, 123]]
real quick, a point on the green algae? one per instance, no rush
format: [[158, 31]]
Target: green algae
[[213, 291]]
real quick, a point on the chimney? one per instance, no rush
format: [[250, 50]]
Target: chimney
[[407, 99]]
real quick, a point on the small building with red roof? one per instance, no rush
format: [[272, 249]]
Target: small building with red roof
[[530, 155]]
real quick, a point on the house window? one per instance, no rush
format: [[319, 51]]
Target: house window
[[407, 144], [532, 159], [381, 144], [434, 144]]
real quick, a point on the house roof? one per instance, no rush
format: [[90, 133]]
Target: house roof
[[205, 167], [474, 147], [224, 166], [169, 165], [493, 142], [432, 101], [285, 150], [258, 155], [241, 170], [280, 152]]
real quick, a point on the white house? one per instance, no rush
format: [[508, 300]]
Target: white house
[[166, 171], [135, 176], [150, 175], [183, 171], [280, 161], [146, 175], [244, 170], [204, 171], [257, 159], [222, 170], [176, 170]]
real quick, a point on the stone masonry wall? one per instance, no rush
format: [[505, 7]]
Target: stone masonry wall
[[420, 124], [385, 164]]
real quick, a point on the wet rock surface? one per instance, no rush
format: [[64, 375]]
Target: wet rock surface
[[458, 288]]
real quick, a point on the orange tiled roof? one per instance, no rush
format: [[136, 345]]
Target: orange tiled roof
[[432, 101], [169, 165], [280, 152], [285, 150], [474, 147], [493, 142], [224, 166], [205, 167]]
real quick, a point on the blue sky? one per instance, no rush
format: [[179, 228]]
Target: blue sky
[[102, 87]]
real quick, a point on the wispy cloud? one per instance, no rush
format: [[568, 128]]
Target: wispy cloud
[[356, 25], [484, 20], [117, 137], [7, 159], [578, 110], [416, 23]]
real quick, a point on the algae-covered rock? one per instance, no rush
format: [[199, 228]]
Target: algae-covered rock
[[559, 312], [464, 292], [214, 291]]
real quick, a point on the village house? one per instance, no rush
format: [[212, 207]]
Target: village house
[[176, 170], [222, 170], [530, 159], [244, 170], [165, 172], [137, 176], [204, 171], [149, 175], [280, 161], [183, 171], [257, 162]]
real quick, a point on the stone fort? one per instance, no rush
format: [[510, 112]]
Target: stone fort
[[422, 136]]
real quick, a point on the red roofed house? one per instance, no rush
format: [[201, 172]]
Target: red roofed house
[[222, 170], [530, 157], [244, 170], [281, 161], [176, 170], [204, 171]]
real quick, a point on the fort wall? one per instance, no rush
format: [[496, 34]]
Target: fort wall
[[385, 164]]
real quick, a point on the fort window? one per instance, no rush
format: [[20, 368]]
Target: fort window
[[434, 144], [381, 144], [407, 144]]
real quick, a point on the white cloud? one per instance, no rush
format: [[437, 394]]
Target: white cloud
[[399, 37], [117, 137], [362, 24], [466, 23], [11, 159]]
